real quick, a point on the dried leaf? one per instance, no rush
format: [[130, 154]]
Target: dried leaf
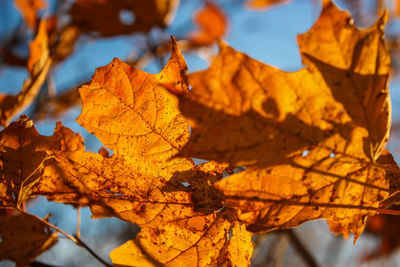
[[112, 187], [23, 154], [136, 118], [64, 42], [212, 24], [23, 238], [319, 129], [213, 240], [392, 170], [145, 15], [29, 10], [38, 66], [133, 115]]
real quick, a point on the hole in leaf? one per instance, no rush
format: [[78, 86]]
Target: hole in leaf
[[185, 184], [127, 17], [225, 174], [239, 169], [332, 155], [230, 234], [199, 161], [117, 194], [305, 153]]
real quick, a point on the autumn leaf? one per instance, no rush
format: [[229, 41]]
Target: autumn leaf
[[392, 170], [23, 238], [397, 7], [212, 24], [141, 182], [133, 115], [180, 217], [309, 138], [23, 155], [264, 4], [145, 15], [29, 10], [112, 187], [38, 66], [197, 241]]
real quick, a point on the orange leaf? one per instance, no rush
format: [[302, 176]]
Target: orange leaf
[[23, 155], [133, 115], [39, 63], [212, 24], [309, 138], [105, 15], [218, 241], [29, 10], [264, 4], [117, 187]]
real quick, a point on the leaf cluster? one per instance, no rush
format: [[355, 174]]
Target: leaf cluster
[[310, 143]]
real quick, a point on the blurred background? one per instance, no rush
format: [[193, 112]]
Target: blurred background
[[83, 38]]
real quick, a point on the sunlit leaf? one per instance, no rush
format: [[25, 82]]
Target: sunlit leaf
[[309, 137], [213, 240]]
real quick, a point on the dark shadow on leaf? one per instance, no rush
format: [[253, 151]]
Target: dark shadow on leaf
[[250, 137], [204, 196], [363, 96]]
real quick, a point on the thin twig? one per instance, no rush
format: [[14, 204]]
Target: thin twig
[[301, 249], [74, 239], [78, 222], [388, 212]]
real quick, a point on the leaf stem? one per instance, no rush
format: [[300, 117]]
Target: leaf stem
[[78, 222], [74, 239], [388, 212]]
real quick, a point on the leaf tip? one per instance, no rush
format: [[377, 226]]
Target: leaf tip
[[222, 44], [25, 122]]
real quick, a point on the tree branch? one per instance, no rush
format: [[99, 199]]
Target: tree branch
[[301, 249], [74, 239]]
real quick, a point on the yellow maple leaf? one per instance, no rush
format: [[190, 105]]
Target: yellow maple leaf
[[309, 138], [213, 240], [133, 114]]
